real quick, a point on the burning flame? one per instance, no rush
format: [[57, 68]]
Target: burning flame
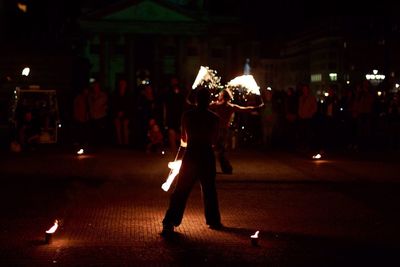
[[317, 156], [80, 151], [200, 76], [205, 74], [25, 71], [175, 167], [255, 234], [53, 228], [247, 82]]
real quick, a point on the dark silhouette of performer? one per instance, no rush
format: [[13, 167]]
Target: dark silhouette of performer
[[200, 133]]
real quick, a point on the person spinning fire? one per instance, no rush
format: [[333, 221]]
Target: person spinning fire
[[199, 133], [225, 109]]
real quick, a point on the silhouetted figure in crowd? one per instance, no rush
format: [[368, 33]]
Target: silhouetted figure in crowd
[[268, 118], [155, 137], [199, 132], [307, 111], [28, 131], [98, 108], [145, 107], [291, 107], [121, 107], [81, 118], [173, 104]]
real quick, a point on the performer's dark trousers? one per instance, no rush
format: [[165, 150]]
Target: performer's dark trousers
[[198, 164]]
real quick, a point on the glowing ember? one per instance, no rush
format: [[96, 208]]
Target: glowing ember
[[175, 167], [247, 82], [317, 156], [80, 151], [25, 71], [255, 234], [53, 228]]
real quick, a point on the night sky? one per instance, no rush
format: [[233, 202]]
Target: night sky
[[56, 19]]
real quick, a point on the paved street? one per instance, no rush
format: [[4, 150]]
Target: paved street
[[339, 211]]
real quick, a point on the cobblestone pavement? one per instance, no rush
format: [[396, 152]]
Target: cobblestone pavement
[[332, 212]]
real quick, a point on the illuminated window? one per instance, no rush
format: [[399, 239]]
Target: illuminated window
[[316, 77], [333, 76]]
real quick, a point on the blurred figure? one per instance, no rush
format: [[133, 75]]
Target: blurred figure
[[155, 137], [363, 110], [173, 103], [121, 113], [98, 107], [307, 111], [267, 118], [28, 131], [225, 110], [81, 117], [291, 107], [145, 106]]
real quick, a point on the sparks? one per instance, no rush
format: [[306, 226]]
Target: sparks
[[247, 82], [175, 167], [208, 76]]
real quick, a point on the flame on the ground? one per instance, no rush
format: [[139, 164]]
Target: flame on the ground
[[175, 166], [53, 228], [247, 82], [255, 234], [26, 71], [317, 156]]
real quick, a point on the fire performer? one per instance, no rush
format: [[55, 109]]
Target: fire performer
[[225, 109], [199, 132]]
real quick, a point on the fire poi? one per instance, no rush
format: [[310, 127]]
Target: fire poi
[[51, 231], [175, 166]]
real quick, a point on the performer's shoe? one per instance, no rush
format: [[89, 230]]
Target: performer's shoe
[[167, 231], [216, 226]]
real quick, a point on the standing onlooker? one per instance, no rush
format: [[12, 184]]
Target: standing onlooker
[[98, 105], [174, 103], [267, 118], [145, 106], [81, 117], [121, 112], [291, 104], [307, 110]]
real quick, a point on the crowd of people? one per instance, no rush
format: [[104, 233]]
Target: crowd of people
[[146, 119], [359, 117]]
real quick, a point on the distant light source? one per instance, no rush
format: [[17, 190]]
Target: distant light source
[[375, 78], [269, 88], [317, 156], [326, 94], [333, 76], [26, 71], [397, 85], [379, 93], [348, 82], [80, 151], [23, 7], [59, 125]]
